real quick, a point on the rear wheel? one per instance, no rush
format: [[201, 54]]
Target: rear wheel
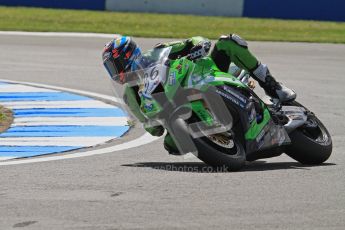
[[311, 143]]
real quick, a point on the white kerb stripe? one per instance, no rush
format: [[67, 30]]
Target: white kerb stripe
[[6, 158], [56, 104], [98, 121], [77, 91], [15, 88], [145, 139], [53, 141]]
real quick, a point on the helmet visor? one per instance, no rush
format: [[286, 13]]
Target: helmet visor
[[111, 67]]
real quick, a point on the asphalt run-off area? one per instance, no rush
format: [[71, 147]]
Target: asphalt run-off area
[[127, 180]]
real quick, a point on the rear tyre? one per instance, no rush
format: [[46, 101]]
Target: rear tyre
[[311, 143]]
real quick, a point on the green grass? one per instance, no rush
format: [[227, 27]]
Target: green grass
[[6, 118], [2, 117], [169, 26], [2, 114]]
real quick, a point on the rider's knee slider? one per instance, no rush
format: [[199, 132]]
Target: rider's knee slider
[[235, 38], [240, 41]]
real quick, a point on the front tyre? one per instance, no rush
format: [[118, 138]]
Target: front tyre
[[218, 159], [311, 143], [224, 151]]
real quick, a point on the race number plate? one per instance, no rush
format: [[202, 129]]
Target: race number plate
[[151, 78]]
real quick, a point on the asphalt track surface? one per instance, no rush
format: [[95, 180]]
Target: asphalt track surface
[[144, 187]]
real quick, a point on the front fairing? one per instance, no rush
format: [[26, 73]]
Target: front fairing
[[199, 75]]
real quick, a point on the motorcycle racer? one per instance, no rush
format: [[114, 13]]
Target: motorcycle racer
[[119, 57]]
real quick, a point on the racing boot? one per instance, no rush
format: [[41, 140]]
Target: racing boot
[[272, 88]]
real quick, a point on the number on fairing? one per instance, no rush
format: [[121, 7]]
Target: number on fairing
[[152, 79]]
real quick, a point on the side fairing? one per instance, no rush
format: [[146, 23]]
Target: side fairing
[[258, 134]]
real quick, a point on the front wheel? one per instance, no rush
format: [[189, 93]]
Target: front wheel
[[311, 143], [222, 151]]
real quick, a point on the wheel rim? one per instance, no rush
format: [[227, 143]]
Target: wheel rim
[[224, 142]]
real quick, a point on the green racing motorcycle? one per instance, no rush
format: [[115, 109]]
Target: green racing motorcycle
[[176, 94]]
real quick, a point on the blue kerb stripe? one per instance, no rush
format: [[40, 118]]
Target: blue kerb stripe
[[69, 112], [58, 96], [28, 151], [65, 131]]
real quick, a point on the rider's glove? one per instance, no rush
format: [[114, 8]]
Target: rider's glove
[[200, 50]]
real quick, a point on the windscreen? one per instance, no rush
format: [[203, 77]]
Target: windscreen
[[147, 72]]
